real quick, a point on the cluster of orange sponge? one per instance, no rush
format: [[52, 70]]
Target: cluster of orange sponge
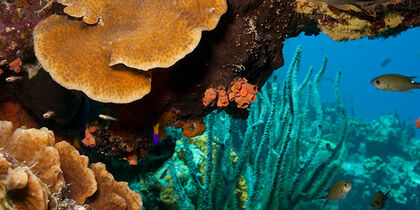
[[239, 91]]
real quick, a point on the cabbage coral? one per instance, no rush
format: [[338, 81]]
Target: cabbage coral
[[37, 173]]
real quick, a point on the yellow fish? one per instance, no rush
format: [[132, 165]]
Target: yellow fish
[[338, 191], [395, 82], [378, 200]]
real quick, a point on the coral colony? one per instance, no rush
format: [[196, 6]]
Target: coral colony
[[145, 104]]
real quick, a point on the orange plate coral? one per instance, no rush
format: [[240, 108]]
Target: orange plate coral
[[141, 34]]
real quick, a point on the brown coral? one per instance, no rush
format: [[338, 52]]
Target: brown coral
[[55, 170], [112, 194], [72, 163], [139, 34]]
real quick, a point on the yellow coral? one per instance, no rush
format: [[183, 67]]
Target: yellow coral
[[241, 192], [392, 20], [168, 195], [343, 25]]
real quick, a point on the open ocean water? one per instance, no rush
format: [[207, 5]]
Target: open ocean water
[[360, 61], [396, 167]]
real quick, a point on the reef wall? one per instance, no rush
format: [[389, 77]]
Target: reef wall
[[247, 43]]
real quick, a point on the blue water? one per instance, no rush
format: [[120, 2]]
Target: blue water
[[361, 61]]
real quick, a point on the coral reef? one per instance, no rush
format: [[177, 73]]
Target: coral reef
[[396, 172], [387, 131], [377, 167], [259, 163], [17, 20], [117, 143], [38, 173], [253, 31]]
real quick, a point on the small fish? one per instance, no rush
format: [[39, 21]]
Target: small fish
[[13, 78], [378, 200], [385, 62], [106, 117], [395, 82], [417, 122], [156, 133], [48, 114], [338, 191]]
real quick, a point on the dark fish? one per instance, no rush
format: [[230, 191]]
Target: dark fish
[[385, 62], [378, 200], [338, 191], [395, 82]]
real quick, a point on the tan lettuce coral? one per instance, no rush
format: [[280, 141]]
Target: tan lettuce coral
[[111, 192], [73, 163], [140, 34], [37, 173]]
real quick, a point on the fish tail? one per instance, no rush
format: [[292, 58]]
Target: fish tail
[[324, 204], [386, 194]]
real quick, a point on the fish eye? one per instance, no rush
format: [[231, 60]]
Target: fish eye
[[377, 82], [346, 184], [376, 203]]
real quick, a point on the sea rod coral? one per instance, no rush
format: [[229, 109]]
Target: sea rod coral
[[260, 163], [38, 173]]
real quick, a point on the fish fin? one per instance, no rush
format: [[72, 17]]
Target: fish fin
[[324, 204], [386, 194], [412, 77]]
